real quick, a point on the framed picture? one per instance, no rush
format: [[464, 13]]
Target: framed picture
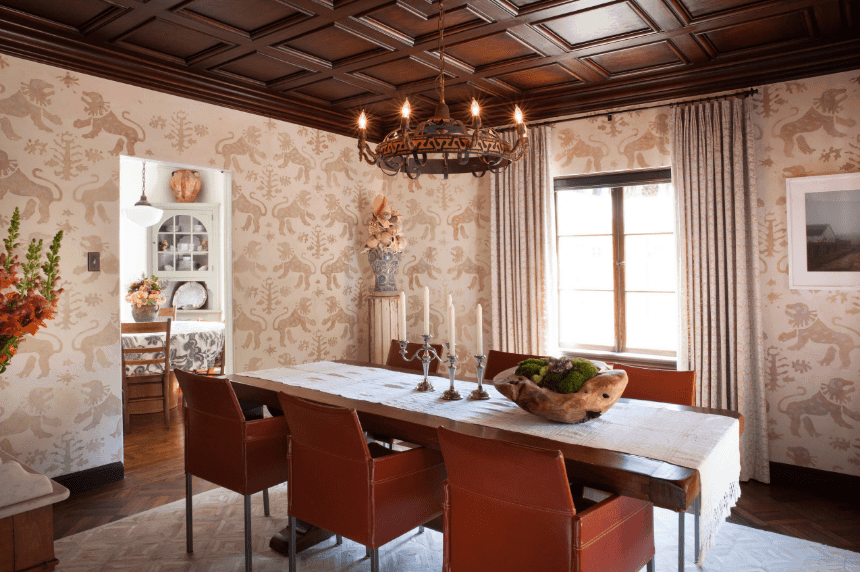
[[824, 232]]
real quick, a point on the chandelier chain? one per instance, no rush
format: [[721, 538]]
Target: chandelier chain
[[442, 50]]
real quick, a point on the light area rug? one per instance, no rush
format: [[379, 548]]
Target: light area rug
[[154, 541]]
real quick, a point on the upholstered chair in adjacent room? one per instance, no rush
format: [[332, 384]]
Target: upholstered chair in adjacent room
[[509, 508], [365, 492], [223, 448], [665, 386]]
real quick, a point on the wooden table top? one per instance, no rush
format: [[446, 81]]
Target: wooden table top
[[666, 485]]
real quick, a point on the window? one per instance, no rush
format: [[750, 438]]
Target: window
[[617, 275]]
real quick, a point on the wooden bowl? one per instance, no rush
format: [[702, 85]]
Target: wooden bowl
[[593, 399]]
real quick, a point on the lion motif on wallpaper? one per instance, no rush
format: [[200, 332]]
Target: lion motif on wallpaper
[[101, 118], [809, 328], [830, 400], [29, 101], [577, 148], [813, 120]]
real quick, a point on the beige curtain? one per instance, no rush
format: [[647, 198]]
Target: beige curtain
[[521, 251], [719, 296]]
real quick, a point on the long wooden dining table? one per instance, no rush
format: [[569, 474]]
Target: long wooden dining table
[[664, 484]]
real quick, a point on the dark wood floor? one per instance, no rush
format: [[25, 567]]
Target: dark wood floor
[[154, 476]]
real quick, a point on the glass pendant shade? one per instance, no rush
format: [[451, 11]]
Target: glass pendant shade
[[143, 213]]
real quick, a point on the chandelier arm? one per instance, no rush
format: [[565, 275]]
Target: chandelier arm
[[475, 172], [422, 161], [463, 157]]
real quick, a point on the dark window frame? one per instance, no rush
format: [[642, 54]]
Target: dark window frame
[[616, 182]]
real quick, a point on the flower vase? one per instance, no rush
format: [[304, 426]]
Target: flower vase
[[384, 264], [145, 313]]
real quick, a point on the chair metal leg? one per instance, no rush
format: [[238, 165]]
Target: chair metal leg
[[338, 539], [374, 560], [247, 533], [681, 541], [266, 502], [651, 566], [697, 509], [420, 530], [189, 530], [292, 565]]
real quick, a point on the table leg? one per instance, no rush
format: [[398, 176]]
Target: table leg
[[307, 535], [681, 541]]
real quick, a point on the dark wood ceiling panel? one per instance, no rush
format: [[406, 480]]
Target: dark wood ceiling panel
[[83, 16], [771, 33], [317, 62], [332, 90], [540, 77], [492, 51], [172, 41], [254, 19], [402, 72], [261, 68], [401, 21], [596, 26], [334, 44], [648, 57]]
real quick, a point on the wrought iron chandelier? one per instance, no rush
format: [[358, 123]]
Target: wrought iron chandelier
[[442, 145]]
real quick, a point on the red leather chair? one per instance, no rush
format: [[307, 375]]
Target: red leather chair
[[665, 386], [362, 491], [510, 507], [497, 362], [221, 447], [396, 360]]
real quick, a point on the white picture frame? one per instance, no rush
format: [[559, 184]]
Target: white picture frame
[[824, 232]]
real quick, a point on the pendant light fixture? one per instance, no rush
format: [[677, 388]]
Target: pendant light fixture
[[143, 213], [442, 145]]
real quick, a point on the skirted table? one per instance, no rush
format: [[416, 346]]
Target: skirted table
[[193, 346]]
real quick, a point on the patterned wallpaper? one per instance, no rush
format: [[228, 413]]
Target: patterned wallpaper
[[812, 338], [300, 280]]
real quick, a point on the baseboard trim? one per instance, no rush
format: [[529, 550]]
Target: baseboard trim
[[826, 483], [92, 478]]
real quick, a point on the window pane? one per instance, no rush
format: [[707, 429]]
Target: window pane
[[586, 318], [649, 208], [585, 262], [649, 262], [652, 321], [584, 211]]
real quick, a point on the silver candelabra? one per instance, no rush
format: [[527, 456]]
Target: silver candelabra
[[479, 393], [451, 394], [426, 354]]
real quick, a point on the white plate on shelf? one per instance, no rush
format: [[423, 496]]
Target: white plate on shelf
[[199, 228], [188, 244], [190, 296]]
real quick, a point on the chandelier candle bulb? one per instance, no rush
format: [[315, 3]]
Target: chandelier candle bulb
[[426, 311], [479, 331], [403, 316]]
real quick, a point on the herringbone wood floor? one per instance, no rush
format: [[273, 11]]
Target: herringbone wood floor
[[154, 476]]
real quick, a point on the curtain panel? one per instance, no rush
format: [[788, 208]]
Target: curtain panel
[[522, 250], [719, 295]]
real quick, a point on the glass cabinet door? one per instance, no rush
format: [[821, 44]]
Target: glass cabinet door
[[183, 244]]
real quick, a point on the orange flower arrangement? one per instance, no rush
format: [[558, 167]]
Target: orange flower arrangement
[[146, 291], [28, 299]]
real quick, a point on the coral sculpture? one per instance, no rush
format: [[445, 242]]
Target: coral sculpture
[[385, 228]]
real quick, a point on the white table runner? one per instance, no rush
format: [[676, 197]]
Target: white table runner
[[707, 443]]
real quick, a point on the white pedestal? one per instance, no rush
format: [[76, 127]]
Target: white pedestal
[[383, 325]]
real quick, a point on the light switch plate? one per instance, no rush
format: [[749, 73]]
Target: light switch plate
[[94, 261]]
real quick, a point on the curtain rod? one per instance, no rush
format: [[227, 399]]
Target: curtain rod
[[744, 94]]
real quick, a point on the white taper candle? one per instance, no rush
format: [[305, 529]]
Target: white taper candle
[[403, 316], [479, 333], [426, 311], [452, 330]]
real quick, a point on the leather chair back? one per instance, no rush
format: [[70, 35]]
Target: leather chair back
[[665, 386], [330, 465], [498, 362], [396, 360], [214, 431], [513, 502]]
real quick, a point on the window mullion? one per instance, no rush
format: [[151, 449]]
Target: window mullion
[[618, 265]]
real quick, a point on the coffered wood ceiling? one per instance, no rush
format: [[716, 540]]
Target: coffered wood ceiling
[[318, 62]]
